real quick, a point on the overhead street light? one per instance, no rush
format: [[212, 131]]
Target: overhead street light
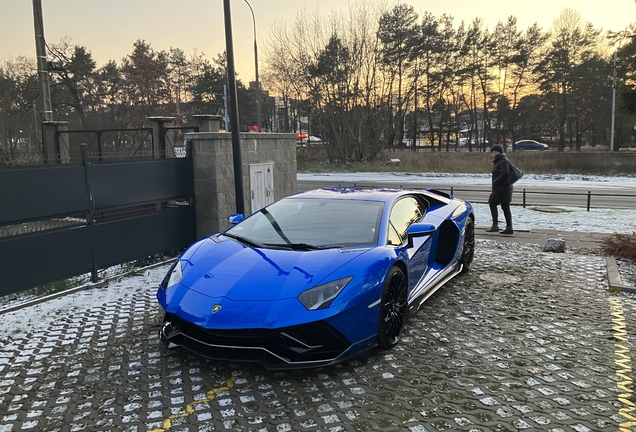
[[258, 86]]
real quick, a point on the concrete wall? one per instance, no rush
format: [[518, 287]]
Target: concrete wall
[[214, 173]]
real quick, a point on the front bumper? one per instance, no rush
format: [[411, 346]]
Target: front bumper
[[302, 346]]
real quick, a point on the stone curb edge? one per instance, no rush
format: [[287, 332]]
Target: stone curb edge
[[614, 277]]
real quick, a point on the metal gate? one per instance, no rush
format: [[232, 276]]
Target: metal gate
[[59, 221]]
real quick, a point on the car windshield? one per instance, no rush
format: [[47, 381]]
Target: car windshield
[[302, 223]]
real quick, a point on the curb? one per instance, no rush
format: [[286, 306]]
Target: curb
[[614, 278]]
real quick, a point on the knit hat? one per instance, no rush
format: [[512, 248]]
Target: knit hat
[[496, 148]]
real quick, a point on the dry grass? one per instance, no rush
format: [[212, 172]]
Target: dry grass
[[315, 159], [620, 246]]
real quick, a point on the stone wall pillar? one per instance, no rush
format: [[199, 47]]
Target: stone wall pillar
[[215, 198], [159, 125], [53, 150], [208, 122]]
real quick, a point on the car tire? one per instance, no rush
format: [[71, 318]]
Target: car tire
[[393, 309], [468, 249]]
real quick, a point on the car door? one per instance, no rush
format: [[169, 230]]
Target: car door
[[406, 211]]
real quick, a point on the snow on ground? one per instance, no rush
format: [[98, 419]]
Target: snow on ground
[[570, 219], [15, 325], [543, 180]]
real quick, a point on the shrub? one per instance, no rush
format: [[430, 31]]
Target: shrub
[[620, 245]]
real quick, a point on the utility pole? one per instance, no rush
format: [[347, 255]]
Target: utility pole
[[43, 72], [233, 105], [613, 105]]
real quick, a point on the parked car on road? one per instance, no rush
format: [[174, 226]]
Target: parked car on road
[[312, 140], [304, 140], [317, 277], [530, 145]]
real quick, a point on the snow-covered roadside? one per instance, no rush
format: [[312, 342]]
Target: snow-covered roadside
[[567, 219], [405, 179]]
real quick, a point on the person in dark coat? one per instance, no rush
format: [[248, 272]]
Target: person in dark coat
[[501, 190]]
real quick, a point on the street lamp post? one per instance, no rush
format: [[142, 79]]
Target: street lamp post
[[613, 106], [258, 86]]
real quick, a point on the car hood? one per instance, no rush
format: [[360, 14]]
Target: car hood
[[226, 268]]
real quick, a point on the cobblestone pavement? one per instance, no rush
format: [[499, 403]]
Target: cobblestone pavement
[[525, 341]]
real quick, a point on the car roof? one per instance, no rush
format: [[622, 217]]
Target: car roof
[[386, 195]]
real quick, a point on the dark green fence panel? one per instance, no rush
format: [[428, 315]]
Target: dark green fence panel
[[29, 193], [35, 259], [128, 183], [129, 239], [66, 220]]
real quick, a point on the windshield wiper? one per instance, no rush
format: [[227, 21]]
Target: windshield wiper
[[274, 224], [304, 246], [244, 240]]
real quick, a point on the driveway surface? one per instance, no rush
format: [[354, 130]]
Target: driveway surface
[[525, 341]]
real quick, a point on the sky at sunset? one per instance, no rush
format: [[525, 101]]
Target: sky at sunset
[[109, 28]]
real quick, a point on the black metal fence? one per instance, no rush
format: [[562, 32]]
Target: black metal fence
[[63, 220], [125, 144], [108, 144], [104, 145], [585, 197], [524, 197], [175, 139]]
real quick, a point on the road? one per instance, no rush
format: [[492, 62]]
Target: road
[[618, 198]]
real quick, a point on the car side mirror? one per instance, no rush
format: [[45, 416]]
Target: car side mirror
[[419, 230], [235, 218]]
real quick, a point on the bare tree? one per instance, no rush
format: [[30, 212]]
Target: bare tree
[[332, 82]]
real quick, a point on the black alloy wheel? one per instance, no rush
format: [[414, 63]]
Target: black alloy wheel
[[468, 250], [393, 309]]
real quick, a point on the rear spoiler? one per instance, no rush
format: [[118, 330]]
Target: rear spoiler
[[440, 193]]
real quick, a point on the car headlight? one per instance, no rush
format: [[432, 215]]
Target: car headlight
[[174, 276], [322, 296]]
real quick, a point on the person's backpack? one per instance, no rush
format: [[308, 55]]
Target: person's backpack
[[515, 174]]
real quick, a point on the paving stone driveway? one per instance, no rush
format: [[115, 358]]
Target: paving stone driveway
[[526, 340]]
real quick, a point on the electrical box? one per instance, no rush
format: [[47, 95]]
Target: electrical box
[[261, 185]]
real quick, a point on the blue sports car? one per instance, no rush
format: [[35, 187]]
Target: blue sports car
[[317, 277]]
